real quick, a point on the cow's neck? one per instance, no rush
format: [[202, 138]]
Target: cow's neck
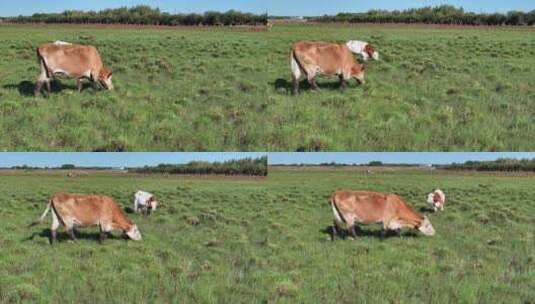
[[122, 224], [411, 220]]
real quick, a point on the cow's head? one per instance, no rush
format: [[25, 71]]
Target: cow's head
[[357, 72], [133, 233], [371, 52], [425, 227], [104, 78]]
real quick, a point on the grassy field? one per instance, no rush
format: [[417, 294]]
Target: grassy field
[[218, 240], [176, 89], [435, 88], [220, 90]]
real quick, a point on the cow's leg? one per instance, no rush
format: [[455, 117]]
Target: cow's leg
[[103, 235], [54, 227], [311, 77], [37, 89], [95, 85], [48, 87], [297, 74], [343, 82], [334, 231], [353, 231], [295, 86], [313, 84], [40, 79], [79, 84], [70, 232], [69, 227], [104, 231]]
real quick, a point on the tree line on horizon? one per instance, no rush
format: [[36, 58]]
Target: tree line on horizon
[[374, 163], [503, 164], [143, 15], [444, 14], [246, 166]]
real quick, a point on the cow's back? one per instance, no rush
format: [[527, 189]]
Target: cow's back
[[75, 59], [84, 209], [330, 57], [366, 206]]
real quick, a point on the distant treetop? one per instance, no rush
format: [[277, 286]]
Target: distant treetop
[[143, 15], [444, 14]]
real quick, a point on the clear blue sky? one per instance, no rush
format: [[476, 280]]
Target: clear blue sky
[[28, 7], [390, 157], [274, 7], [45, 159]]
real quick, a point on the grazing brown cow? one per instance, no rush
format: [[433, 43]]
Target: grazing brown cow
[[77, 210], [308, 59], [72, 60], [366, 207]]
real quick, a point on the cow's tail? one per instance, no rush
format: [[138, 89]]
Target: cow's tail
[[42, 62], [295, 61], [40, 219], [337, 214]]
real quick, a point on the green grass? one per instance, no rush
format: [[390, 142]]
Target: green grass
[[266, 241], [219, 90], [176, 89], [433, 89]]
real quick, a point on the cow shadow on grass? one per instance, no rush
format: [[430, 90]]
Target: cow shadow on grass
[[284, 86], [26, 88], [80, 235], [373, 233], [426, 210]]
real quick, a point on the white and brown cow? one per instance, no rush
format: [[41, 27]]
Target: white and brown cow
[[308, 59], [145, 200], [367, 207], [77, 210], [72, 60], [436, 200], [363, 48]]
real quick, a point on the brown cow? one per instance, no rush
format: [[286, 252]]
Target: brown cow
[[73, 60], [366, 207], [308, 59], [77, 210]]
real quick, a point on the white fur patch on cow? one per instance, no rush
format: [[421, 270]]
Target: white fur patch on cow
[[337, 217], [296, 70], [59, 42]]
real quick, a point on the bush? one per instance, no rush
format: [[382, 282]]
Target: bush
[[247, 166], [143, 15], [444, 14], [503, 164]]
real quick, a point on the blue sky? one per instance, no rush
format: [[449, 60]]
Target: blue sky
[[274, 7], [390, 157], [45, 159]]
